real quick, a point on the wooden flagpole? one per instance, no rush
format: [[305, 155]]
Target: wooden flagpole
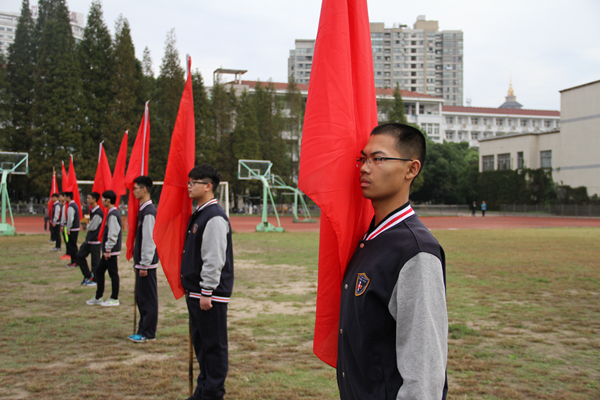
[[191, 357]]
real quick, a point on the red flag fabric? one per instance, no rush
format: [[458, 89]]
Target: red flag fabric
[[102, 182], [118, 178], [175, 207], [138, 165], [64, 184], [341, 111], [73, 187], [53, 190]]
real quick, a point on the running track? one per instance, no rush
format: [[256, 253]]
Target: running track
[[35, 224]]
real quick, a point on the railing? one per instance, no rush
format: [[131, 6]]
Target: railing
[[541, 210]]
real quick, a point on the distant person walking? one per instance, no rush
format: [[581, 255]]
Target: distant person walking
[[473, 208], [483, 208]]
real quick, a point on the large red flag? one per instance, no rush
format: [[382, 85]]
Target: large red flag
[[53, 190], [73, 187], [138, 165], [341, 111], [118, 178], [102, 182], [175, 205], [64, 184]]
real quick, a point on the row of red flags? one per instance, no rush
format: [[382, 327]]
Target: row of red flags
[[341, 111]]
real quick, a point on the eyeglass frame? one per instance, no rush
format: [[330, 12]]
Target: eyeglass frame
[[360, 162], [192, 183]]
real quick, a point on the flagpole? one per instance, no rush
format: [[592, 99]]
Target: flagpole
[[134, 302], [191, 358], [144, 138]]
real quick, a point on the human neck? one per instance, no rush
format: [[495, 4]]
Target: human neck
[[384, 207], [144, 198]]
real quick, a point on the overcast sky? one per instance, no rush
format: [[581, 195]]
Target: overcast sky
[[545, 46]]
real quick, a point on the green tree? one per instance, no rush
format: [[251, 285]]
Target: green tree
[[146, 89], [245, 141], [56, 88], [396, 110], [170, 85], [95, 53], [19, 80], [206, 139], [124, 112], [293, 124], [222, 106]]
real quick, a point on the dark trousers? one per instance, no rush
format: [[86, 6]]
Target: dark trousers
[[111, 266], [146, 295], [85, 250], [72, 245], [209, 336], [56, 233]]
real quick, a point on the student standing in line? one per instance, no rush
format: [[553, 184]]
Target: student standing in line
[[92, 243]]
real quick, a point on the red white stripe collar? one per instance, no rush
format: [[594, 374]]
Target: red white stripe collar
[[208, 203], [390, 221], [145, 204], [95, 208]]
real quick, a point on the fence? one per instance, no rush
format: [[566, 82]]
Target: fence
[[566, 210], [422, 210]]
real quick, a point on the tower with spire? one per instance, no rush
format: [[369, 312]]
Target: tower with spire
[[511, 99]]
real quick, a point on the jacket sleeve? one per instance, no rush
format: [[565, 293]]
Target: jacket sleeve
[[113, 233], [148, 246], [214, 248], [70, 217], [95, 223], [418, 305], [56, 214]]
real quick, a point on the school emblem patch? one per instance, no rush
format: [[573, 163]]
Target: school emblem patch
[[362, 281], [195, 228]]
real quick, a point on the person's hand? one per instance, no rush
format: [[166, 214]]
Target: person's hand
[[143, 272], [68, 231], [205, 303], [106, 255]]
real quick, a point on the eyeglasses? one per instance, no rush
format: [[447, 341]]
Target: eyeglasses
[[377, 160], [192, 183]]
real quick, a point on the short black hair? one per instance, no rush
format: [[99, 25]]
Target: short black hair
[[110, 195], [144, 181], [206, 171], [95, 195], [409, 141], [68, 194], [54, 195]]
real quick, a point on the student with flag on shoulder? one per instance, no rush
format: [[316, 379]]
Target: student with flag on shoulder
[[72, 227], [55, 221], [92, 242]]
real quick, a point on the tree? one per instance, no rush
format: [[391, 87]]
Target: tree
[[396, 110], [56, 88], [146, 89], [222, 105], [95, 53], [245, 141], [125, 112], [19, 81], [293, 124], [206, 140], [170, 83]]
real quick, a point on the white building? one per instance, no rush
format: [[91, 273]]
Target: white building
[[571, 152], [9, 20], [422, 59]]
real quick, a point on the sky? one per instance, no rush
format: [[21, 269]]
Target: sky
[[544, 46]]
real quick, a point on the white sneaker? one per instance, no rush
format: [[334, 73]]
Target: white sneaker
[[93, 301], [110, 302]]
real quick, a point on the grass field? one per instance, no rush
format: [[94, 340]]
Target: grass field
[[524, 308]]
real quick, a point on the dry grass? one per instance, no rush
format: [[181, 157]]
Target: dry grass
[[524, 309]]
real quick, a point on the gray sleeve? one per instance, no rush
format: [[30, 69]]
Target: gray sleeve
[[70, 217], [56, 215], [418, 305], [113, 232], [214, 248], [148, 246], [95, 223]]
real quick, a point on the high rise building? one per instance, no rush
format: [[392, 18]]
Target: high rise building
[[8, 26], [422, 59]]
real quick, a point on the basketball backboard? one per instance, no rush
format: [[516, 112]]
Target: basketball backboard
[[254, 169], [14, 163]]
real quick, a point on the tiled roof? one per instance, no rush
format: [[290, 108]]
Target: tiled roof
[[501, 111]]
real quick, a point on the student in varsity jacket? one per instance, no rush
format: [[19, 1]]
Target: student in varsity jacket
[[55, 221], [393, 327], [63, 222], [207, 277], [72, 225], [145, 261], [92, 243], [111, 247]]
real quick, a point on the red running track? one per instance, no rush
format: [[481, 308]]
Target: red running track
[[35, 224]]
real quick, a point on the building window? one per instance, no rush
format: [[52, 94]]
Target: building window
[[475, 135], [499, 121], [520, 160], [486, 121], [431, 129], [449, 120], [547, 123], [504, 161], [474, 121], [449, 135], [546, 159], [487, 163], [523, 122]]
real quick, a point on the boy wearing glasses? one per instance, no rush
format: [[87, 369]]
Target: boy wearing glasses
[[207, 277], [145, 261], [393, 327]]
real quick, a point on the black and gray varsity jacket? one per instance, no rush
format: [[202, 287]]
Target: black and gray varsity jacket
[[93, 229], [144, 249]]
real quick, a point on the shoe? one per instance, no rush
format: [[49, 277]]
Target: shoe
[[56, 249], [110, 303], [71, 265], [65, 257], [84, 282], [91, 283], [135, 337], [93, 301], [140, 338]]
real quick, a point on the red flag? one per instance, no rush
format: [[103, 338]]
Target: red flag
[[53, 190], [175, 205], [341, 111], [118, 179], [138, 165], [102, 182], [73, 187], [64, 178]]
